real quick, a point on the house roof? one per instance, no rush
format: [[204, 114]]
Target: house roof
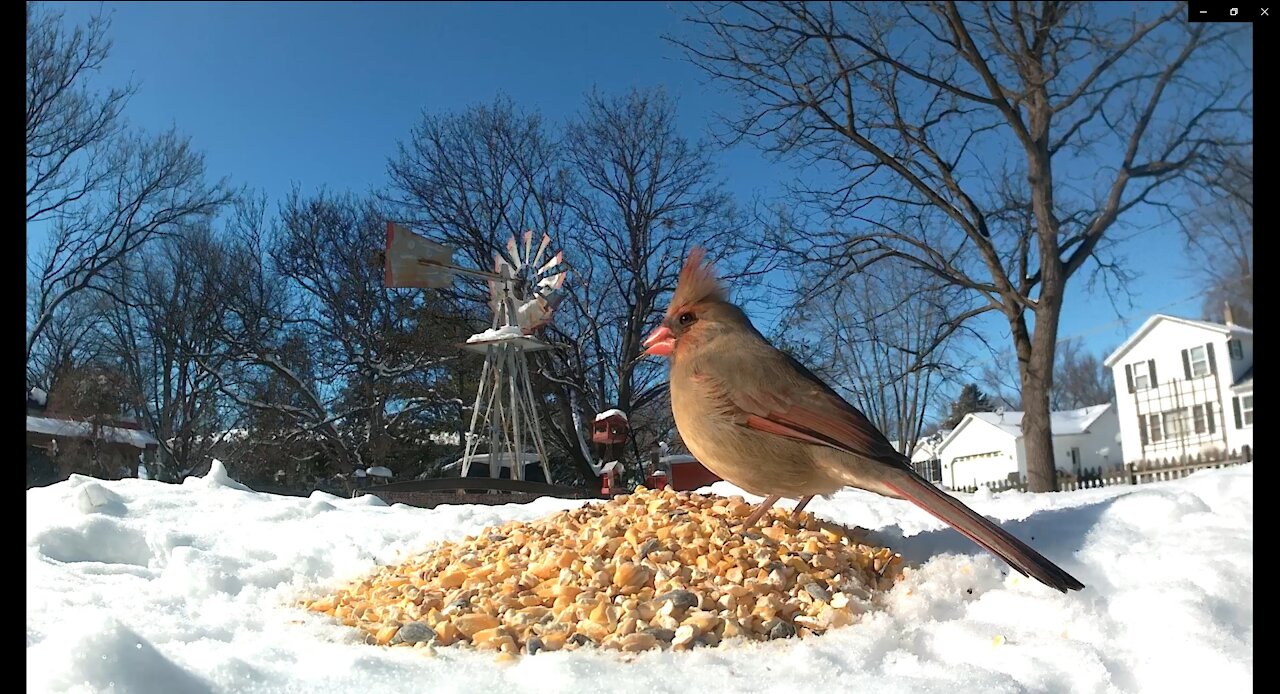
[[1061, 423], [84, 430], [1151, 322]]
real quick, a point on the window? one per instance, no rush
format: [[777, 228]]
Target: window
[[1246, 410], [1141, 375], [1203, 418], [1235, 349], [1199, 361], [1174, 423], [930, 469], [1153, 428]]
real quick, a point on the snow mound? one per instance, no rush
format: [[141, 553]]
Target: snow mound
[[192, 589], [218, 478]]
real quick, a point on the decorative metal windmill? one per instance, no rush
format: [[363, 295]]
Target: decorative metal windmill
[[523, 294]]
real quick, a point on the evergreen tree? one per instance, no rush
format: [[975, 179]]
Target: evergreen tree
[[971, 399]]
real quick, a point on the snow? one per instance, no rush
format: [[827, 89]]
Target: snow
[[83, 430], [379, 471], [1062, 423], [39, 396], [506, 332], [610, 413], [142, 586]]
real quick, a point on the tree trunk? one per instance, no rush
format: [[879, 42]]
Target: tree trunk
[[1035, 365]]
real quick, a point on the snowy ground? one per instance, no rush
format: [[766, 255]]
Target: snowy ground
[[140, 586]]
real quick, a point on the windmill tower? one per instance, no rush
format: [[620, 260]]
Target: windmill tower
[[523, 295]]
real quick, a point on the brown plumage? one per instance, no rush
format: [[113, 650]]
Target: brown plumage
[[762, 421]]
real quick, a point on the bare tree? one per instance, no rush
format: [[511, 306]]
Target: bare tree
[[1080, 379], [1021, 135], [105, 191], [884, 339], [69, 128], [261, 362], [333, 370], [645, 195], [154, 186], [385, 347], [169, 314], [477, 178], [1219, 237], [72, 339]]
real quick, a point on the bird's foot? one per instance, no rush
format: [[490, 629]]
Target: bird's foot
[[757, 514], [795, 513]]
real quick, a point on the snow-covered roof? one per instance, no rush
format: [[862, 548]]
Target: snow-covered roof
[[611, 413], [1065, 422], [84, 430], [379, 471], [1221, 328], [1061, 423]]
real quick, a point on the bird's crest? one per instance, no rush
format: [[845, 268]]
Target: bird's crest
[[697, 283]]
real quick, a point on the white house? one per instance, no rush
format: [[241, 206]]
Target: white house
[[1184, 387], [924, 457], [988, 446]]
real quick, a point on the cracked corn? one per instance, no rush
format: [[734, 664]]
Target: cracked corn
[[652, 569]]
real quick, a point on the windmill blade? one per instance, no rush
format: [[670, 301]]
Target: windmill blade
[[542, 247], [512, 254], [551, 283], [528, 239], [559, 258]]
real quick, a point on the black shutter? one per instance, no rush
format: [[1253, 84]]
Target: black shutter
[[1186, 365], [1142, 428], [1209, 415], [1235, 406], [1208, 350], [1128, 376], [1151, 367]]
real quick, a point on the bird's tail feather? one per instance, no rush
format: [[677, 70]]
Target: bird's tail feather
[[990, 536]]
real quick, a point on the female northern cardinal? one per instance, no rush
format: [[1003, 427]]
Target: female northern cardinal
[[762, 421]]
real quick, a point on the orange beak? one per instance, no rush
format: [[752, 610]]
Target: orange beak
[[660, 343]]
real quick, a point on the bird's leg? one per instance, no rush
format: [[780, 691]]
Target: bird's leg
[[795, 513], [760, 511]]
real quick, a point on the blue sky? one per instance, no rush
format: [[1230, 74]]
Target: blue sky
[[318, 95]]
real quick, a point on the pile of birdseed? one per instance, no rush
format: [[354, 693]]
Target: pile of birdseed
[[652, 569]]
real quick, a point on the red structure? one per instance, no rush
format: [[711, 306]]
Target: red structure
[[610, 428], [681, 473]]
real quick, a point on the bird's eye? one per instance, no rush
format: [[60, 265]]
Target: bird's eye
[[686, 318]]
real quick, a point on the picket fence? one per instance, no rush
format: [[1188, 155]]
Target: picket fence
[[1132, 473]]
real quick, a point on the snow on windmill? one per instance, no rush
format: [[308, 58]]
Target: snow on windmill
[[523, 294]]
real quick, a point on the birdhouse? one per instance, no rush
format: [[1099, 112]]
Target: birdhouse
[[610, 428], [611, 479]]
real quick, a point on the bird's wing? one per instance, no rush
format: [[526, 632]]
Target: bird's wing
[[789, 400]]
